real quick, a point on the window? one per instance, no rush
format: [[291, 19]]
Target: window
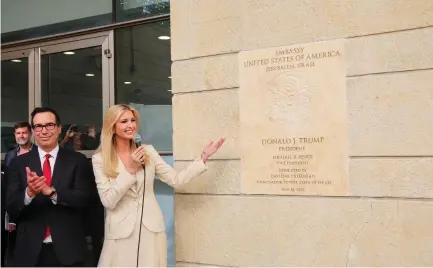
[[143, 80], [14, 96]]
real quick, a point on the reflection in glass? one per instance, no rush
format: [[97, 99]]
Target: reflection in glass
[[72, 85], [143, 67], [80, 137], [14, 98], [135, 9]]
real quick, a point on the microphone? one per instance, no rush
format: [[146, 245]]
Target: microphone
[[137, 139]]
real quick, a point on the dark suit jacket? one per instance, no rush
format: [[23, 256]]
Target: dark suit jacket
[[74, 182], [4, 234], [3, 199], [11, 154]]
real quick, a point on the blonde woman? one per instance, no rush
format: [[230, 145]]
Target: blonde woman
[[133, 239]]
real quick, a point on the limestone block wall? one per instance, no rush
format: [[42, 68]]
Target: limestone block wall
[[387, 217]]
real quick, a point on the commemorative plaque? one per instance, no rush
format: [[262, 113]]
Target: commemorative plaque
[[293, 120]]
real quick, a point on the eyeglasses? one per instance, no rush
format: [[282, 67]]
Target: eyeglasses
[[49, 126]]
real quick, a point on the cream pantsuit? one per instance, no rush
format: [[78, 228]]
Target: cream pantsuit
[[122, 198]]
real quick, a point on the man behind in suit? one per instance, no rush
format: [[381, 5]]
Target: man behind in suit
[[23, 138], [47, 189]]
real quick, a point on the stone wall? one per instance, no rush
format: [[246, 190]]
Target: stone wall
[[387, 217]]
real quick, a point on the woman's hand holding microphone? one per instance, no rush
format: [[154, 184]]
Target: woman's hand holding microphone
[[137, 160]]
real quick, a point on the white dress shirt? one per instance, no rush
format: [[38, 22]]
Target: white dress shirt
[[52, 159]]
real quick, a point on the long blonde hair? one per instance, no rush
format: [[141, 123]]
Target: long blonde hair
[[107, 147]]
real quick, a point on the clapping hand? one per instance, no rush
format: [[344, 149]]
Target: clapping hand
[[36, 184], [211, 148]]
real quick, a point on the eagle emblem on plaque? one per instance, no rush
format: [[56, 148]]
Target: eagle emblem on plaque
[[288, 98]]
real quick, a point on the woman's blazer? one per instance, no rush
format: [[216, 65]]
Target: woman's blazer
[[121, 195]]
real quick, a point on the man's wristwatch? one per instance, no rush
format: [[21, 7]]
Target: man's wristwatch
[[53, 192]]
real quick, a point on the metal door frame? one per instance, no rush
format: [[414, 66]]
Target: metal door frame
[[34, 52]]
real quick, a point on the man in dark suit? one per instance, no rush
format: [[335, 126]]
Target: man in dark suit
[[23, 136], [3, 214], [47, 190]]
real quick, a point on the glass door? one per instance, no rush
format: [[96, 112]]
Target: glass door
[[75, 80], [72, 75], [17, 94]]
